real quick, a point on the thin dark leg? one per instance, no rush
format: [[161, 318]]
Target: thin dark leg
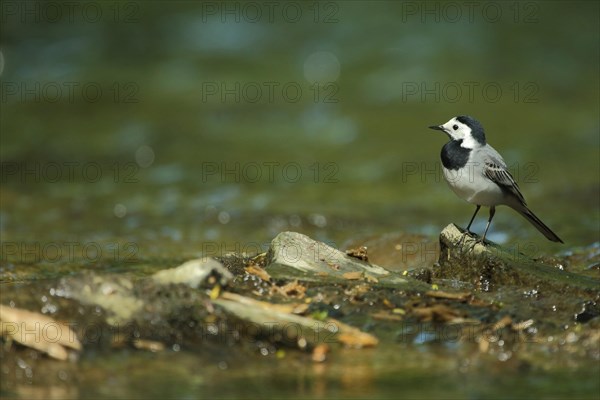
[[472, 219], [468, 232], [492, 212]]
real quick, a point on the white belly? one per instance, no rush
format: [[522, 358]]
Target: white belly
[[470, 185]]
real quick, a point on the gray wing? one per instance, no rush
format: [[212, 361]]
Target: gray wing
[[496, 171]]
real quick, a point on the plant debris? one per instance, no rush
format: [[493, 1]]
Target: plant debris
[[353, 275], [320, 352], [38, 331], [438, 294], [438, 313], [254, 269], [149, 345], [360, 253], [276, 319], [291, 289]]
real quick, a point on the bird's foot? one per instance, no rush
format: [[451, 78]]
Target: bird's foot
[[477, 240], [465, 234], [481, 241]]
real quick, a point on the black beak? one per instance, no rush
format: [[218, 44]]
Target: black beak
[[437, 128]]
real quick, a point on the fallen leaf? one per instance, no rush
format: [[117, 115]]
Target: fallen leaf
[[291, 308], [437, 312], [386, 316], [353, 275], [357, 290], [502, 323], [353, 337], [38, 331], [333, 266], [388, 303], [357, 339], [484, 345], [291, 289], [519, 326], [260, 259], [319, 353], [150, 345], [300, 308], [254, 269], [438, 294], [473, 301]]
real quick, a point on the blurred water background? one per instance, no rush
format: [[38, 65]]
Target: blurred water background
[[178, 123]]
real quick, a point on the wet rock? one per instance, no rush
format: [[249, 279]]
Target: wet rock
[[301, 255], [584, 260], [589, 310], [195, 273], [124, 300], [489, 266], [113, 293], [293, 255]]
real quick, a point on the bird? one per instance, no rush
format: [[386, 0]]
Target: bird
[[477, 173]]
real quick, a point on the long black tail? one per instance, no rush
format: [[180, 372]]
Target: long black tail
[[535, 221]]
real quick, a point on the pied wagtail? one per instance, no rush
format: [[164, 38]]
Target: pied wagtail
[[478, 174]]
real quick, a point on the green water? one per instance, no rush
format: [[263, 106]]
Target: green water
[[144, 131]]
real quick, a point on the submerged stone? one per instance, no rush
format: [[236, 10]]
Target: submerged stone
[[194, 273], [113, 293]]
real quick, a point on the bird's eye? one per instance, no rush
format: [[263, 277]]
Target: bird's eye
[[455, 127]]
